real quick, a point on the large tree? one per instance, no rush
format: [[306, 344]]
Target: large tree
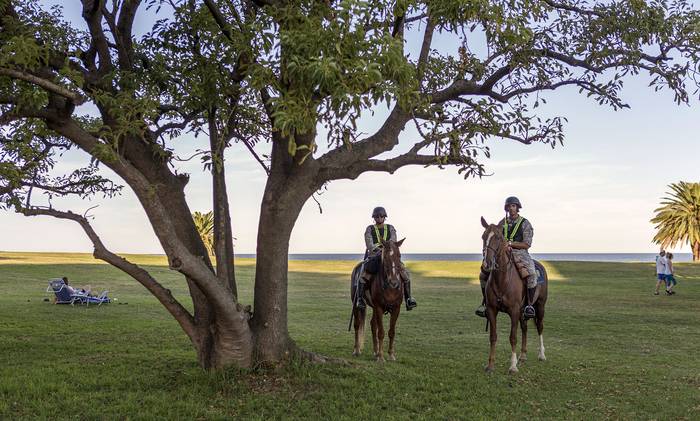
[[678, 219], [296, 75]]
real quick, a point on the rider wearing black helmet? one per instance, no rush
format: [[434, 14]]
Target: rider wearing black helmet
[[374, 235], [518, 232]]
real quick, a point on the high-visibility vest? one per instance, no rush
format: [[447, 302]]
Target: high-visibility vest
[[512, 235], [379, 237]]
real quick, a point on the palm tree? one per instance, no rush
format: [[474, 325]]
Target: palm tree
[[205, 226], [678, 219]]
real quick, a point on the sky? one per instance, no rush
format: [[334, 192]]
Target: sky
[[594, 194]]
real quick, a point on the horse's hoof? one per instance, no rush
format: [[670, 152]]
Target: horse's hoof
[[392, 357], [512, 370], [488, 369], [355, 353], [542, 357], [380, 359], [523, 357]]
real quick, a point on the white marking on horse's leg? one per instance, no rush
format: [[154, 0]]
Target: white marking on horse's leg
[[541, 356], [513, 363]]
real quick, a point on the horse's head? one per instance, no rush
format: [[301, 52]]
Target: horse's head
[[391, 262], [493, 240]]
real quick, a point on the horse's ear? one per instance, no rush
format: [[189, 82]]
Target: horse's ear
[[484, 223], [398, 243]]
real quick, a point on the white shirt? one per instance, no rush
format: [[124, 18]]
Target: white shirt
[[661, 266], [667, 270]]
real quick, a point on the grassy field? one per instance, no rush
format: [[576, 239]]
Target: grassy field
[[614, 350]]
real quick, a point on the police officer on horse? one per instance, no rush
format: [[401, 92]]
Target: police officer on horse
[[518, 232], [374, 236]]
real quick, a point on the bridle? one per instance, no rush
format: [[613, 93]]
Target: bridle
[[494, 266], [386, 278]]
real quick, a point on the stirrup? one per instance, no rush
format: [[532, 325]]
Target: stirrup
[[481, 311], [360, 304], [411, 304], [529, 312]]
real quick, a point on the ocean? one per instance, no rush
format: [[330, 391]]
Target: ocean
[[576, 257]]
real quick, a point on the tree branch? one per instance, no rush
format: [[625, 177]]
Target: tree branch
[[412, 157], [219, 19], [384, 139], [50, 86], [255, 155], [562, 6], [92, 14], [425, 48], [163, 295], [125, 24]]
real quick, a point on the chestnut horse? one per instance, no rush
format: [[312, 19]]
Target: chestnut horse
[[505, 291], [384, 293]]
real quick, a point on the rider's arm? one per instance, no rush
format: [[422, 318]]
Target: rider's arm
[[369, 244], [392, 233]]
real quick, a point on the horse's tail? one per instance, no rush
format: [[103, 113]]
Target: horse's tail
[[354, 279]]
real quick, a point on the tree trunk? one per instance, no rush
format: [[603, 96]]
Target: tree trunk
[[282, 202], [223, 232], [223, 336], [696, 251], [226, 341], [272, 342]]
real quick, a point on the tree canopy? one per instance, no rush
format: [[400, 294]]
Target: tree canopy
[[290, 81], [678, 219]]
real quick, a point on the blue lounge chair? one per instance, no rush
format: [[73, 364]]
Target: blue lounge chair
[[64, 295], [99, 300]]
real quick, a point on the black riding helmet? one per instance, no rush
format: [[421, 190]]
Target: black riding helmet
[[512, 200], [378, 211]]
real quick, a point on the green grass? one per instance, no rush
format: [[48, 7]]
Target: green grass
[[614, 351]]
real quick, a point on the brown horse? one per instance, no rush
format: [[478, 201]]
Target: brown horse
[[384, 293], [505, 291]]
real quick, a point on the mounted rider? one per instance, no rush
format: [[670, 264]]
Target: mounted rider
[[374, 236], [518, 232]]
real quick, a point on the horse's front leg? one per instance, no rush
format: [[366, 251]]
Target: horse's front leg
[[380, 336], [514, 318], [523, 345], [392, 332], [493, 337]]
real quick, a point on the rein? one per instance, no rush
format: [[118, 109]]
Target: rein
[[497, 253]]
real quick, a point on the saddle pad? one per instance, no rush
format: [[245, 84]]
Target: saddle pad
[[540, 272]]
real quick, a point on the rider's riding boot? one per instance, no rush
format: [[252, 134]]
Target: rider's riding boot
[[529, 309], [410, 302], [360, 303], [481, 310]]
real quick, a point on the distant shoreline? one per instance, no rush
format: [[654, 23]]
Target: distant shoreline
[[465, 257], [576, 257]]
